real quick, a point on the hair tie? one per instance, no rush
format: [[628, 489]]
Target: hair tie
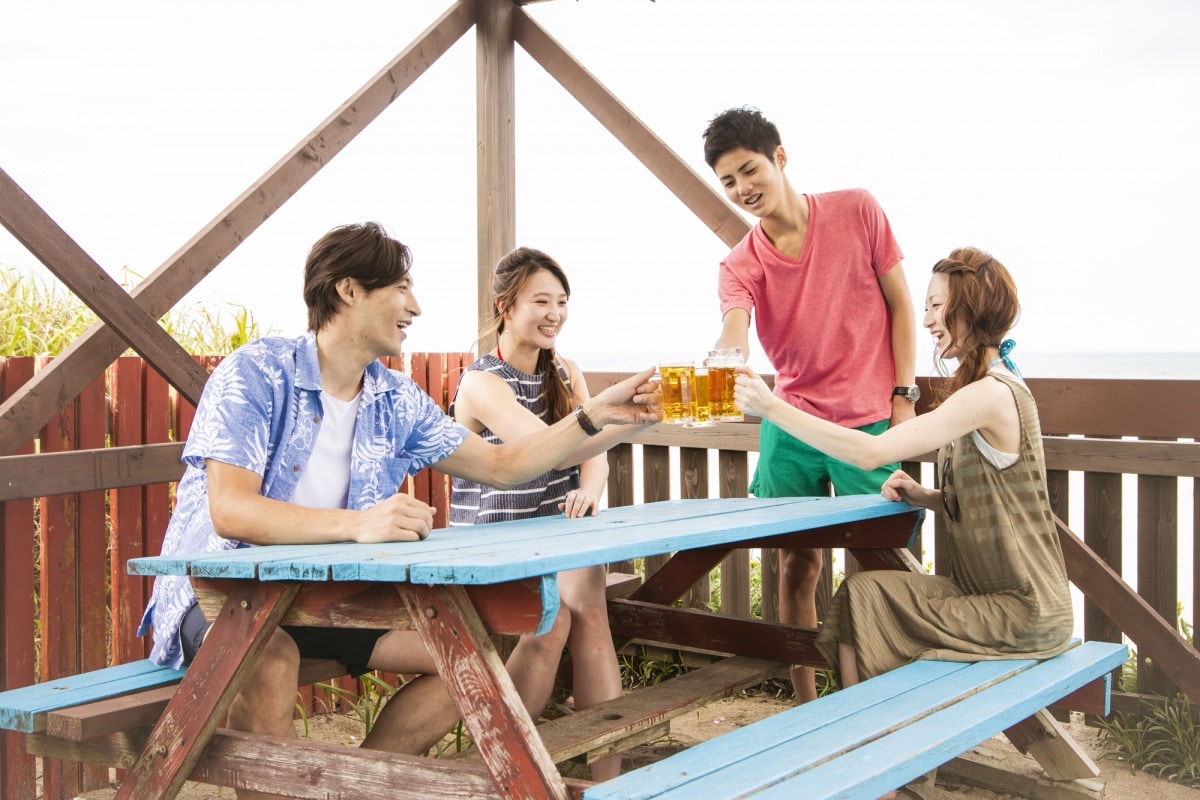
[[1006, 347]]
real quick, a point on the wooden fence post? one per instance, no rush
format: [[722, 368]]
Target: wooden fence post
[[18, 769]]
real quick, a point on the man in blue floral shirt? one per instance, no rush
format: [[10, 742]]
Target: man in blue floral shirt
[[309, 440]]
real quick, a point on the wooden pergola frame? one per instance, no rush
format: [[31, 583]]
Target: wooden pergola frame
[[129, 319]]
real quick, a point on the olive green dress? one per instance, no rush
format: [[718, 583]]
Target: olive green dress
[[1006, 595]]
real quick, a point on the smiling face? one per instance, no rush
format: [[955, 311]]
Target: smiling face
[[751, 180], [381, 316], [945, 342], [538, 313]]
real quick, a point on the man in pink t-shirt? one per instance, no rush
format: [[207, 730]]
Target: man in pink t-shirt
[[822, 276]]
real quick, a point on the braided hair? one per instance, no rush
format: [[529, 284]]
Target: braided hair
[[981, 303]]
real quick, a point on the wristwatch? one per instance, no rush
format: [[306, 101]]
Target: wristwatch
[[910, 393]]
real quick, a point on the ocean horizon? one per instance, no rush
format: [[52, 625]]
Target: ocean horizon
[[1033, 364]]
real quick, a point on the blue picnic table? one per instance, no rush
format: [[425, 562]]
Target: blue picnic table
[[461, 585]]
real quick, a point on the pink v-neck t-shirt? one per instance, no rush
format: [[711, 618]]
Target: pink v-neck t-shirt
[[821, 318]]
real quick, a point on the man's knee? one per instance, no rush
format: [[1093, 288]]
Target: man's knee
[[279, 663], [799, 567], [551, 643]]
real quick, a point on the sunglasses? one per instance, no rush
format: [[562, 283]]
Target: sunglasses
[[949, 495]]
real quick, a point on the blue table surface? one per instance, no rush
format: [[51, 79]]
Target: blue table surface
[[509, 551]]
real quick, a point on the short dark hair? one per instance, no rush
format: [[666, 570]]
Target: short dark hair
[[739, 127], [364, 252]]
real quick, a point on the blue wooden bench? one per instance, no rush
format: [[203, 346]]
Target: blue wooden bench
[[26, 709], [112, 699], [869, 739]]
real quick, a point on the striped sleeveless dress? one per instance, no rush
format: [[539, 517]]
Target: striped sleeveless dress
[[1006, 595], [475, 504]]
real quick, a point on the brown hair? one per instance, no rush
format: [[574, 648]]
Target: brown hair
[[363, 252], [982, 296], [508, 279]]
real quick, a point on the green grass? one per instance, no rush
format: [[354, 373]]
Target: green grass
[[1164, 741], [40, 317]]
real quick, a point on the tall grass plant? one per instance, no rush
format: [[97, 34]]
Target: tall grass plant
[[40, 317]]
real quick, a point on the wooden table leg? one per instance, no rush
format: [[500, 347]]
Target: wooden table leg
[[672, 580], [492, 710], [238, 635]]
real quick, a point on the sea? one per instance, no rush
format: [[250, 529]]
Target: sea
[[1033, 364]]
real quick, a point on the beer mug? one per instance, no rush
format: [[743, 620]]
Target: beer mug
[[702, 406], [678, 384], [722, 367]]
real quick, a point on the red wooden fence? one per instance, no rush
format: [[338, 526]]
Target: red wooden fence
[[89, 607]]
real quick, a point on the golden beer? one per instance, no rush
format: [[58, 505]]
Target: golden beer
[[678, 383], [722, 372], [702, 408]]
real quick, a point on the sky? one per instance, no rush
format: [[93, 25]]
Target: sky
[[1059, 135]]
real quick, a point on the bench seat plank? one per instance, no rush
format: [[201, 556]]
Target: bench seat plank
[[25, 709], [143, 708], [904, 755], [870, 738]]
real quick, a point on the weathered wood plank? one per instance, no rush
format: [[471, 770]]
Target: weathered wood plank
[[975, 773], [505, 608], [1154, 637], [703, 631], [264, 763], [1102, 530], [605, 728], [192, 714], [1157, 567], [85, 470], [142, 709], [58, 550], [18, 653], [1043, 737], [127, 537], [92, 551], [489, 704], [496, 179]]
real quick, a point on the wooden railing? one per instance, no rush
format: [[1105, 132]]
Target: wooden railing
[[95, 490], [1102, 438]]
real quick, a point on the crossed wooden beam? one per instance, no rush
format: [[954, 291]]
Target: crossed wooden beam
[[128, 319]]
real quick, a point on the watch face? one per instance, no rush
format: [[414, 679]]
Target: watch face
[[909, 393]]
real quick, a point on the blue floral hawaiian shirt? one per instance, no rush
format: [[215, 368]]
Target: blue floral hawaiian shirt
[[260, 410]]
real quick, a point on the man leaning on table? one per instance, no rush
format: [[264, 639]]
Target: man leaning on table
[[308, 440]]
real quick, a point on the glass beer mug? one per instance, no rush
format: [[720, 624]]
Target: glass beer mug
[[703, 416], [678, 385], [722, 366]]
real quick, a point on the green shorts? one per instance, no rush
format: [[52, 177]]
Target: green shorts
[[787, 467]]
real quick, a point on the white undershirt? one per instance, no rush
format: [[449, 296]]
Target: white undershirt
[[325, 482], [997, 458]]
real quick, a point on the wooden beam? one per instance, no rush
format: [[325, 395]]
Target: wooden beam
[[675, 174], [86, 357], [63, 256], [69, 472], [1154, 636], [249, 761], [495, 109], [182, 732]]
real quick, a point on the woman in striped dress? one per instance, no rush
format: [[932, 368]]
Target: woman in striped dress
[[519, 387], [1006, 594]]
